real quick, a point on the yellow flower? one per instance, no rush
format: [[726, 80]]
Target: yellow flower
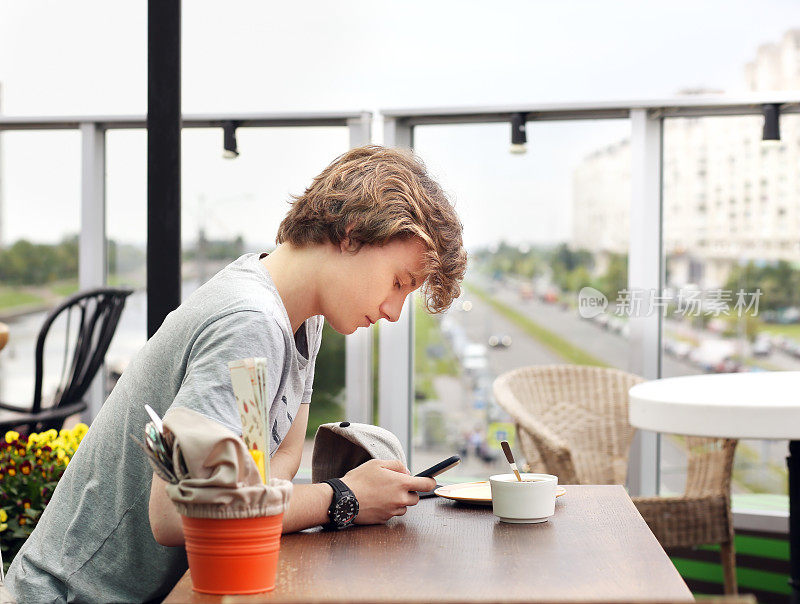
[[51, 434], [258, 457], [60, 454], [3, 527], [66, 461], [3, 515], [11, 436]]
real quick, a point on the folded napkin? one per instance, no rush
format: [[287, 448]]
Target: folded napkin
[[339, 447], [222, 479]]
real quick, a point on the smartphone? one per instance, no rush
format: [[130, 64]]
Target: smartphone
[[440, 467]]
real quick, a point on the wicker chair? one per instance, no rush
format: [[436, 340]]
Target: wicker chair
[[703, 513], [572, 420]]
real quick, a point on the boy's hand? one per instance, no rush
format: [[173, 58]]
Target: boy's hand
[[384, 489]]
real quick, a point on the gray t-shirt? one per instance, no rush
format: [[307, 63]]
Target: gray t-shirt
[[93, 542]]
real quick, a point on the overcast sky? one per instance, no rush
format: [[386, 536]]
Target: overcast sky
[[89, 57]]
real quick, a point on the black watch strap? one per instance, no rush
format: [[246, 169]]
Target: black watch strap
[[340, 491]]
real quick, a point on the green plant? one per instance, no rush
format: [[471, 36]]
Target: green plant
[[30, 468]]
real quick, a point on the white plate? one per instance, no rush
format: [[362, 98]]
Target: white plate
[[475, 492]]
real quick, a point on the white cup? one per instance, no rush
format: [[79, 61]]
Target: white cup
[[533, 500]]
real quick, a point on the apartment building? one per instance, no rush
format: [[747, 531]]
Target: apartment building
[[728, 197]]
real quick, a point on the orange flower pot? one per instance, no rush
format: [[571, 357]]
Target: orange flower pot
[[233, 555]]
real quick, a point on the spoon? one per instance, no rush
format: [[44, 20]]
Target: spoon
[[510, 458]]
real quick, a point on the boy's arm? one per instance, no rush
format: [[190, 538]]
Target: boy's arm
[[286, 460], [383, 488], [308, 507], [165, 521]]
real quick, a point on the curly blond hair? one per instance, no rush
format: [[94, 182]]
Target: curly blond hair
[[374, 195]]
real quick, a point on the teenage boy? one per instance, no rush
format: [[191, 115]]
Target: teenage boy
[[372, 228]]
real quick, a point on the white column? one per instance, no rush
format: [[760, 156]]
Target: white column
[[358, 345], [92, 267], [396, 342], [645, 273]]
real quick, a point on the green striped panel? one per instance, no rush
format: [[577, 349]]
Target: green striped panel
[[762, 547], [747, 577]]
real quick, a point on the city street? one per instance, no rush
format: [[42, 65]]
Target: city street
[[481, 322]]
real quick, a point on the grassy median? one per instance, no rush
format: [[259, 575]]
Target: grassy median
[[11, 297], [553, 342]]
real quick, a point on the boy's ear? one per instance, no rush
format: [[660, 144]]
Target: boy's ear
[[347, 244]]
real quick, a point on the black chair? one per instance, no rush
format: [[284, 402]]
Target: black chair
[[98, 312]]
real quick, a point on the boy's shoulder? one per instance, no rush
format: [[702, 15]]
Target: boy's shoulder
[[243, 285], [245, 289]]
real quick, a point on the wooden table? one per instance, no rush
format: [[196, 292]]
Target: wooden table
[[595, 548], [760, 405]]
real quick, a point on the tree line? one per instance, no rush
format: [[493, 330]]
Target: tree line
[[27, 263], [570, 270]]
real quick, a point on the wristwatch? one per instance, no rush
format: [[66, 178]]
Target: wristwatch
[[344, 507]]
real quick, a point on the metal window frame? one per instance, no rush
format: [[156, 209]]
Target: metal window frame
[[646, 264], [92, 246], [358, 345], [646, 273], [396, 342], [92, 261]]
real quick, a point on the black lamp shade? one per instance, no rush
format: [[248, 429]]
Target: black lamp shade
[[518, 134], [772, 128], [229, 138]]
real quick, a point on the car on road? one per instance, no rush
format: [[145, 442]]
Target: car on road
[[677, 348], [762, 346], [526, 292], [793, 348], [500, 340], [474, 359]]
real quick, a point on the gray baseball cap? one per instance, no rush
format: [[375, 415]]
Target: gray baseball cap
[[339, 447]]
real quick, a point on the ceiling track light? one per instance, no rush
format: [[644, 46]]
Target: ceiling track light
[[519, 137], [229, 139], [772, 127]]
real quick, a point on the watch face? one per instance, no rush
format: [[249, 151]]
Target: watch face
[[346, 510]]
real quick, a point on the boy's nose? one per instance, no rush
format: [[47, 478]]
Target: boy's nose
[[391, 310], [390, 317]]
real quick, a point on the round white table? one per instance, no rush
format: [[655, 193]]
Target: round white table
[[760, 405]]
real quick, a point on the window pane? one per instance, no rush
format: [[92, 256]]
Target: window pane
[[39, 225], [530, 227], [126, 232], [731, 218]]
